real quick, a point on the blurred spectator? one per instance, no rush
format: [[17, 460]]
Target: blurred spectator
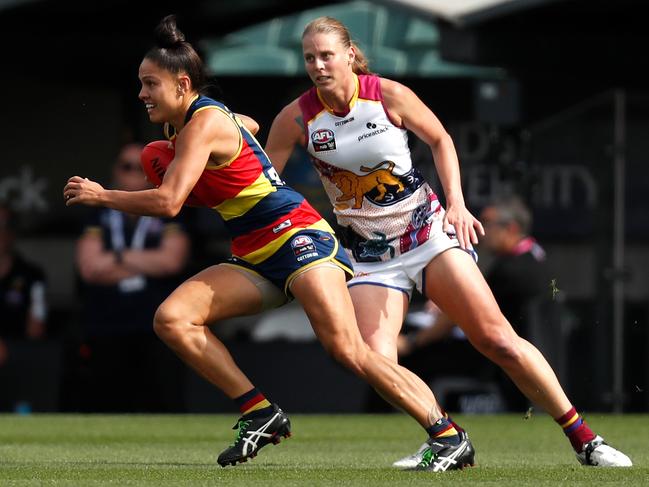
[[23, 306], [128, 265], [518, 274], [23, 309]]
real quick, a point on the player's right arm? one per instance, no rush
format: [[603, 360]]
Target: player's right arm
[[209, 134], [286, 132]]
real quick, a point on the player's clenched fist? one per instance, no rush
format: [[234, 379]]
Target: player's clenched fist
[[82, 190]]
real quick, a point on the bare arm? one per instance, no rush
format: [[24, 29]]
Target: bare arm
[[436, 332], [168, 259], [35, 327], [98, 265], [406, 108], [439, 330], [37, 314], [209, 134], [285, 133], [249, 123], [4, 353]]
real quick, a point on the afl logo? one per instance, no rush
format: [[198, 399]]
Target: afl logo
[[323, 140], [301, 241], [302, 244]]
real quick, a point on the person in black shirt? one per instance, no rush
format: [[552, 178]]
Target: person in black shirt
[[518, 273], [23, 305], [128, 265], [23, 312]]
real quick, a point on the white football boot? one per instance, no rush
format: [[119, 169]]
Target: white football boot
[[411, 461], [597, 453]]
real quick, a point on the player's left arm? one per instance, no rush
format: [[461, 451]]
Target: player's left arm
[[405, 108], [167, 259], [249, 122]]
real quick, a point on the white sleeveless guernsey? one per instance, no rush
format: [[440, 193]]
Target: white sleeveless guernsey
[[381, 201]]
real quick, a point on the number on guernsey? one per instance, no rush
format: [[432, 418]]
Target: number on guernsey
[[272, 174]]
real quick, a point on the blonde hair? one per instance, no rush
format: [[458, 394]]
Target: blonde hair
[[329, 25]]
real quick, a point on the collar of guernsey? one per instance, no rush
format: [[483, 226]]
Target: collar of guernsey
[[352, 102], [260, 212], [363, 146]]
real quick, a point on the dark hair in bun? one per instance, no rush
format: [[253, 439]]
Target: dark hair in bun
[[173, 53], [167, 34]]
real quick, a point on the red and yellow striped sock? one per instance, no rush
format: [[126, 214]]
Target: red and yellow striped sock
[[443, 429], [457, 427], [252, 401], [576, 429]]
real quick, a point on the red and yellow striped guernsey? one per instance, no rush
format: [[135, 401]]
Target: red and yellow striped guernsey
[[259, 210]]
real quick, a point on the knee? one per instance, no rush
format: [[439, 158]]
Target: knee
[[167, 323], [349, 355], [501, 346]]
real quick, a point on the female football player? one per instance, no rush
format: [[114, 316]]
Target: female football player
[[354, 126]]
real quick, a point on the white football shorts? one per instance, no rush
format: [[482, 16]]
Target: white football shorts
[[406, 271]]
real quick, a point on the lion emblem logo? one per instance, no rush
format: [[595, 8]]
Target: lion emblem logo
[[356, 187]]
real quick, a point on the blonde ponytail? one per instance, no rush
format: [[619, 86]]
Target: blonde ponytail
[[360, 65]]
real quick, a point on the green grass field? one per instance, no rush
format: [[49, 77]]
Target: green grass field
[[349, 450]]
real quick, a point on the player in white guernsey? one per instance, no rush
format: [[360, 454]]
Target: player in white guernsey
[[353, 125]]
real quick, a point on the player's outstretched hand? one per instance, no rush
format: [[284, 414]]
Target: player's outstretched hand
[[82, 190]]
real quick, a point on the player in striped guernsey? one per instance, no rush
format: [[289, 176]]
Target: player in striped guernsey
[[354, 125], [281, 247], [260, 212]]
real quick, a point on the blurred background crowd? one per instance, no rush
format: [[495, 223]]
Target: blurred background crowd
[[547, 105]]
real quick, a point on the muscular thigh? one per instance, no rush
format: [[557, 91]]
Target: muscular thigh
[[213, 294], [456, 285], [379, 313], [323, 294]]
